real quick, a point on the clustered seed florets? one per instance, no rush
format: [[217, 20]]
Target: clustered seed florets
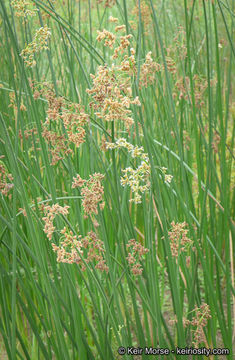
[[61, 111], [106, 35], [50, 214], [138, 178], [39, 43], [182, 89], [136, 251], [113, 20], [112, 94], [73, 248], [23, 8], [112, 86], [70, 247], [95, 251], [145, 15], [148, 71], [199, 321], [92, 192], [179, 241], [5, 180], [124, 43]]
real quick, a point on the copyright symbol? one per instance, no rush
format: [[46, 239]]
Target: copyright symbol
[[121, 350]]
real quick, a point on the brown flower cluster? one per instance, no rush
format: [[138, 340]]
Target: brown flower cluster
[[61, 113], [136, 252], [5, 180], [112, 86], [39, 43], [73, 248], [113, 19], [27, 133], [178, 49], [200, 85], [23, 8], [148, 71], [199, 321], [179, 241], [107, 3], [95, 250], [70, 247], [106, 35], [92, 192], [120, 28], [182, 89], [145, 11], [112, 94], [124, 43], [50, 213], [74, 119], [216, 141], [171, 65], [58, 145]]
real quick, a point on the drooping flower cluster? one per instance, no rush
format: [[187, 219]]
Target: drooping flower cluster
[[145, 11], [39, 43], [179, 241], [148, 71], [69, 248], [23, 8], [94, 251], [50, 213], [5, 180], [92, 192], [106, 35], [137, 178], [135, 252], [112, 94], [112, 86], [199, 321], [124, 44], [73, 248], [61, 113], [183, 89]]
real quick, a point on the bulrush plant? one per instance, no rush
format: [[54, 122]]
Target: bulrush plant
[[116, 179]]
